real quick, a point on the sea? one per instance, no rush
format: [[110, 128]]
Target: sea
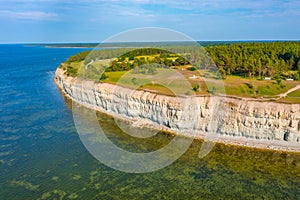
[[43, 157]]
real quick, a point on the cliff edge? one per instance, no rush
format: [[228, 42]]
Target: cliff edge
[[221, 119]]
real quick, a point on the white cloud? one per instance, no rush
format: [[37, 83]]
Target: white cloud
[[28, 15], [195, 5], [145, 9]]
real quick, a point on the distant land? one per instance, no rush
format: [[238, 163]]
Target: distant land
[[132, 44]]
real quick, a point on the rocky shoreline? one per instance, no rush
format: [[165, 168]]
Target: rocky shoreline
[[266, 125]]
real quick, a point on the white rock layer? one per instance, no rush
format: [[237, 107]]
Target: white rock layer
[[191, 116]]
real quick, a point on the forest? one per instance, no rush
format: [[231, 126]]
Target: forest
[[258, 59]]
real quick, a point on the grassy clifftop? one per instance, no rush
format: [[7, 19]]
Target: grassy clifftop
[[165, 72]]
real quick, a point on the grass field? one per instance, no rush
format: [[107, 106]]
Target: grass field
[[293, 97], [289, 100], [294, 94], [256, 88], [165, 81]]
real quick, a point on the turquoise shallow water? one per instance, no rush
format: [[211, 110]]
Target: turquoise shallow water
[[42, 156]]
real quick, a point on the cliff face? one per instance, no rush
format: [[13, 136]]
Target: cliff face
[[191, 116]]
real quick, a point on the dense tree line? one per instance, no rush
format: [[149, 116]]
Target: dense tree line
[[145, 51], [258, 59]]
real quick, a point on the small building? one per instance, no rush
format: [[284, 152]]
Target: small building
[[290, 79], [194, 77], [267, 78]]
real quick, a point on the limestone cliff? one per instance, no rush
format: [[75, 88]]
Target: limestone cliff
[[191, 116]]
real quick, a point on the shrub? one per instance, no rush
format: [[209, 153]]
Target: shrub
[[192, 68], [71, 71], [103, 76], [134, 81], [249, 85], [212, 90], [296, 76], [196, 88]]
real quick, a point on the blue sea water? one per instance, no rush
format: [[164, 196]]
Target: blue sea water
[[42, 157]]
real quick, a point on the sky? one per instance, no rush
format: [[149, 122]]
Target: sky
[[47, 21]]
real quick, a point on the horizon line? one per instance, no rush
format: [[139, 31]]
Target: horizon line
[[94, 42]]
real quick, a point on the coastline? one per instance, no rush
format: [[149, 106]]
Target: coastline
[[266, 144], [67, 47]]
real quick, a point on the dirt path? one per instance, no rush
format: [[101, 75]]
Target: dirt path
[[289, 91], [279, 96]]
